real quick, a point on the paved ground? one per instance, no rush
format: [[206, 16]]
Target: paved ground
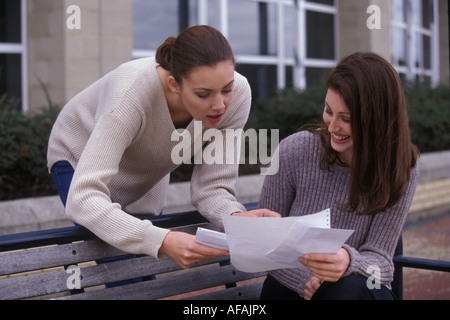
[[427, 238]]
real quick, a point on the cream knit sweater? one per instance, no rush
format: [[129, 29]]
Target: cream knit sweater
[[117, 136], [301, 187]]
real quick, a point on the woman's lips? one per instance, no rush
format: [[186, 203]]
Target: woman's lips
[[215, 118], [339, 138]]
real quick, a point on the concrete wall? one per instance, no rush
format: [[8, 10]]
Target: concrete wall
[[432, 196], [354, 35], [66, 60]]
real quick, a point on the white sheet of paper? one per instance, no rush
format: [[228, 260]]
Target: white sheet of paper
[[264, 244], [212, 238]]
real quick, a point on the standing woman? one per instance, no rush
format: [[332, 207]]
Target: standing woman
[[114, 138], [360, 163]]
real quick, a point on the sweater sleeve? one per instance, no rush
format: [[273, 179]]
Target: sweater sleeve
[[376, 253], [89, 203]]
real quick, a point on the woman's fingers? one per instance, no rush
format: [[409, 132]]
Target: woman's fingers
[[327, 267], [182, 248]]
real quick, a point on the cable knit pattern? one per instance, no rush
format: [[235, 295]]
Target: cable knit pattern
[[301, 187], [117, 136]]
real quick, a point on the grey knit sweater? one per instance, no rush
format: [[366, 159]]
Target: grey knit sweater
[[301, 187]]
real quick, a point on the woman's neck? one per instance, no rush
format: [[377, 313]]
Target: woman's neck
[[180, 116]]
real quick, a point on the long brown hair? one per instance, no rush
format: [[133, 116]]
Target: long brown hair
[[383, 154], [196, 46]]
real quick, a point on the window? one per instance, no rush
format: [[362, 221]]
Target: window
[[415, 40], [154, 21], [12, 51], [316, 41], [277, 43]]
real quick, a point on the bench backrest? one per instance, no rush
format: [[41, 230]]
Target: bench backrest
[[40, 267]]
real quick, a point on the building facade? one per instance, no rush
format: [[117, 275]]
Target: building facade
[[52, 49]]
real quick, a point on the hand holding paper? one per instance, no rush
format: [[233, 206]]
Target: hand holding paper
[[264, 244]]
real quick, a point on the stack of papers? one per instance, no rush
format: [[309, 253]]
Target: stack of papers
[[212, 238], [264, 244]]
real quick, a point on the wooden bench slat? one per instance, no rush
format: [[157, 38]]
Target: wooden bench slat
[[55, 256], [56, 281], [66, 254], [168, 286], [33, 286], [250, 291]]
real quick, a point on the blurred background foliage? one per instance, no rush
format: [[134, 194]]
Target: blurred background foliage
[[24, 138]]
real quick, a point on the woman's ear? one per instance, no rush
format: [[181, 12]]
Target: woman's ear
[[173, 84]]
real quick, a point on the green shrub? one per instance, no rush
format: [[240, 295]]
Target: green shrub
[[288, 111], [24, 139], [429, 117], [23, 145]]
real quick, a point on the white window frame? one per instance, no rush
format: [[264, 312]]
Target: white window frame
[[20, 48], [413, 28], [299, 62], [302, 62]]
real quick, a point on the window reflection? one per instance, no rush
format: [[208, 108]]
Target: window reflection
[[155, 20], [320, 42], [252, 27], [10, 76], [10, 28]]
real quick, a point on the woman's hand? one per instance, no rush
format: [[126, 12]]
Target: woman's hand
[[182, 248], [311, 287], [327, 267], [258, 213]]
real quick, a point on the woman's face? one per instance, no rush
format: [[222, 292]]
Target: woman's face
[[337, 118], [207, 92]]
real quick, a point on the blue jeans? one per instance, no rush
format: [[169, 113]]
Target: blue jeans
[[62, 173]]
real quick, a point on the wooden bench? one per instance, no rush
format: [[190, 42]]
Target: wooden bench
[[48, 265]]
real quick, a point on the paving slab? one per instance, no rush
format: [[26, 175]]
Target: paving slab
[[428, 238]]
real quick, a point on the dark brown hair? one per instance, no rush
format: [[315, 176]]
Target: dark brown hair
[[194, 47], [383, 154]]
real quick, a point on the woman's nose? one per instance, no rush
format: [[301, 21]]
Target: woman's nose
[[218, 103], [333, 126]]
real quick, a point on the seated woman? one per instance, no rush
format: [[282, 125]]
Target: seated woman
[[361, 163]]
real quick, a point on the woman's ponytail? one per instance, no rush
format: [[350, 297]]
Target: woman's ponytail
[[164, 53]]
